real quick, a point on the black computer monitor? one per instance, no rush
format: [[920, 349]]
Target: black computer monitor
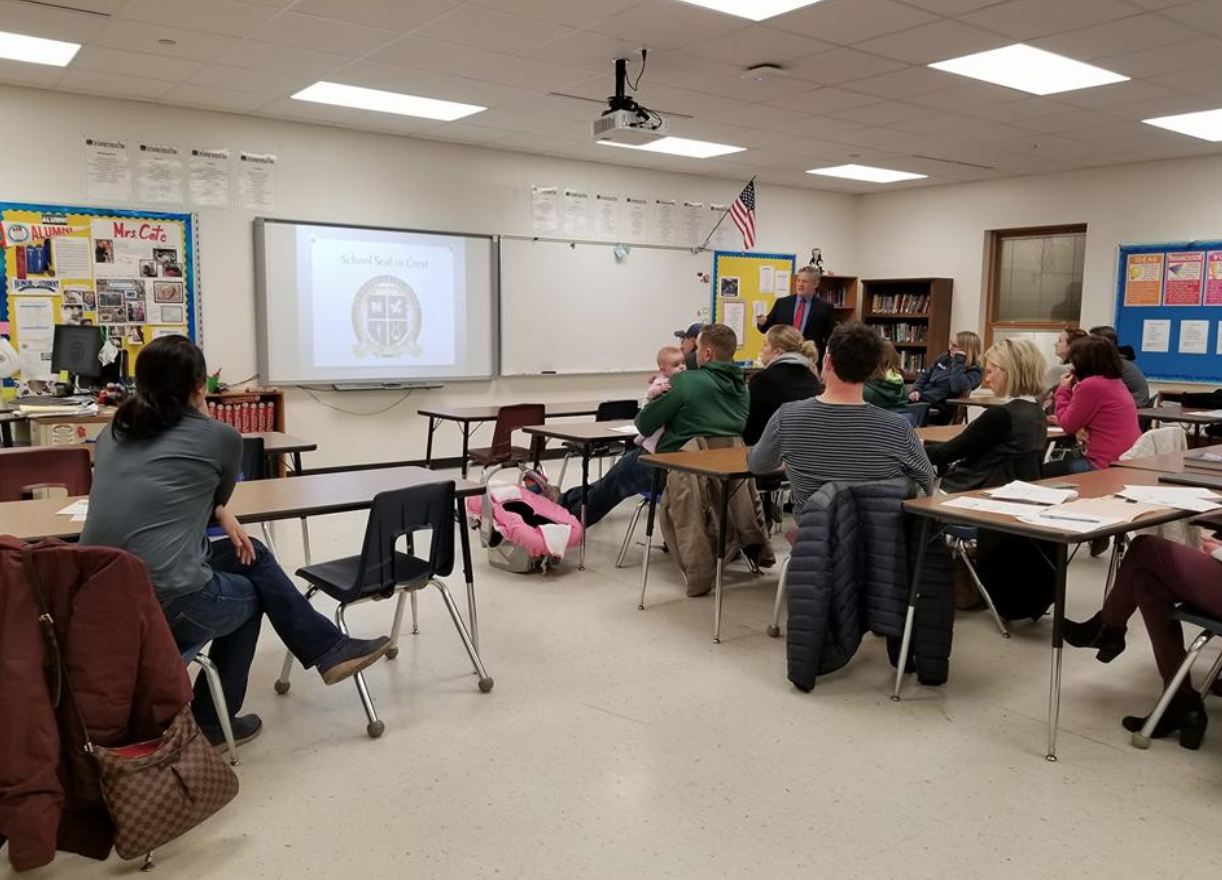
[[75, 349]]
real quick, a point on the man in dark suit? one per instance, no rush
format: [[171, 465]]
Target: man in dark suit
[[806, 311]]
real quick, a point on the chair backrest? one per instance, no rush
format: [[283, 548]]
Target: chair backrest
[[512, 418], [614, 410], [918, 414], [1157, 442], [1206, 400], [254, 461], [23, 470], [399, 513]]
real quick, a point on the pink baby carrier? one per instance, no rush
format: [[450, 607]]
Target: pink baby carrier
[[523, 530]]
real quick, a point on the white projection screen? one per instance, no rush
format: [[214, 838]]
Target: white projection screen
[[355, 305]]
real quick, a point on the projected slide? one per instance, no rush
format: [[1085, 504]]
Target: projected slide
[[348, 304]]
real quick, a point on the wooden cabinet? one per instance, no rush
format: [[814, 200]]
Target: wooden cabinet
[[913, 313]]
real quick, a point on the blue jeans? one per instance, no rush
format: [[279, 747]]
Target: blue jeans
[[228, 612], [627, 477], [1078, 464]]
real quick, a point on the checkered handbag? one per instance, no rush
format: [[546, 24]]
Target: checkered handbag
[[155, 791]]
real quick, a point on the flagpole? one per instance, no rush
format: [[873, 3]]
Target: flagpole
[[725, 214]]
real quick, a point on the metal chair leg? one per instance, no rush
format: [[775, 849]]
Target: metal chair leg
[[958, 545], [305, 541], [282, 683], [564, 466], [393, 651], [485, 681], [775, 629], [623, 549], [1141, 739], [1214, 671], [415, 614], [375, 727], [1120, 545], [213, 676], [265, 528]]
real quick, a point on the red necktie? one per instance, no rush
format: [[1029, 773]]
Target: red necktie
[[799, 312]]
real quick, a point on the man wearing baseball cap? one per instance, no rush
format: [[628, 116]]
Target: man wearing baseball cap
[[687, 344]]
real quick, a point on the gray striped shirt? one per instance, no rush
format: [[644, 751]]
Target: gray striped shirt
[[821, 442]]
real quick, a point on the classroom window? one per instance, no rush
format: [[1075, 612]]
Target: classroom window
[[1036, 278]]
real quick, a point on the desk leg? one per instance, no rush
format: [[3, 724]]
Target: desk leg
[[297, 464], [585, 491], [6, 434], [466, 446], [910, 617], [305, 541], [721, 559], [464, 538], [428, 446], [654, 491], [1058, 633]]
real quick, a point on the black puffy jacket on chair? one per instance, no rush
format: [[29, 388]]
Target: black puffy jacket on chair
[[849, 575]]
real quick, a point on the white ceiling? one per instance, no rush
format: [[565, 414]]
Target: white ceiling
[[856, 88]]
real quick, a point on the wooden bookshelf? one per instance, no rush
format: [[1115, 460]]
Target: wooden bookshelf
[[914, 313], [841, 292]]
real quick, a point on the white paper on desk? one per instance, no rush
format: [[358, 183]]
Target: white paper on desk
[[1018, 490], [1078, 525], [625, 429], [987, 505], [79, 507], [78, 517], [1194, 498]]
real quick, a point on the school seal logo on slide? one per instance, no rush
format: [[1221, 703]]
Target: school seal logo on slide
[[386, 318]]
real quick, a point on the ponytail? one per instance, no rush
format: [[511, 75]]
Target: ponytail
[[168, 371], [811, 353]]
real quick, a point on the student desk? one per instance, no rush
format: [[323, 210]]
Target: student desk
[[1195, 417], [276, 444], [1168, 462], [270, 500], [722, 465], [466, 416], [946, 433], [984, 400], [585, 435], [1090, 485]]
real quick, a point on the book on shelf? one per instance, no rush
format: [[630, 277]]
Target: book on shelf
[[838, 295], [912, 361], [903, 333], [901, 304]]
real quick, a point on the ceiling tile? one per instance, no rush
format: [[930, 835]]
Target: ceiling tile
[[683, 71], [465, 133], [391, 122], [814, 126], [1129, 134], [845, 22], [733, 84], [219, 99], [1172, 58], [241, 79], [826, 100], [215, 16], [692, 103], [841, 66], [49, 22], [429, 85], [1023, 109], [40, 75], [907, 82], [280, 59], [119, 85], [1117, 93], [968, 98], [765, 116], [102, 7], [1165, 106], [307, 111], [395, 15], [1024, 19], [492, 30], [140, 37], [324, 34], [1124, 35], [882, 114], [1069, 122], [949, 7], [598, 88], [573, 13], [594, 52], [665, 24], [432, 55], [103, 60], [940, 123], [1193, 82], [758, 44], [888, 140], [1204, 16], [524, 141], [933, 42], [528, 123]]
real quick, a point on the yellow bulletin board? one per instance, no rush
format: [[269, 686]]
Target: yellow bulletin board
[[746, 285], [131, 274]]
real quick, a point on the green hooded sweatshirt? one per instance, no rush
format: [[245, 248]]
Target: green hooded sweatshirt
[[887, 393], [708, 402]]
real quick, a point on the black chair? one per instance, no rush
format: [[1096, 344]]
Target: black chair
[[918, 414], [254, 459], [608, 411], [381, 571], [1210, 626]]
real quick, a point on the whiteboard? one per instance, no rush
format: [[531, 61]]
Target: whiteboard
[[576, 309]]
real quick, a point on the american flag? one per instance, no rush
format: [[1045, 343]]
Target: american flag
[[743, 212]]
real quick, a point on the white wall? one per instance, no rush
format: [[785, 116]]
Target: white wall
[[941, 231], [335, 175]]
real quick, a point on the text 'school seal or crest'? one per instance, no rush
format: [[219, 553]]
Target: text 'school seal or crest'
[[386, 318]]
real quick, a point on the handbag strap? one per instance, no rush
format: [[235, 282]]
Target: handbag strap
[[55, 656]]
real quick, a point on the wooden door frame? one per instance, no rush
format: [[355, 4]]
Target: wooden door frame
[[993, 257]]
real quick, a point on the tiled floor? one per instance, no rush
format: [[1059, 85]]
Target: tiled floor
[[619, 743]]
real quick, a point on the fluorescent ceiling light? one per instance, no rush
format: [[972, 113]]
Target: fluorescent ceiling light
[[1029, 69], [36, 50], [756, 10], [681, 147], [386, 102], [866, 173], [1206, 125]]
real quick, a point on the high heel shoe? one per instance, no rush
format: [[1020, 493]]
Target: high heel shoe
[[1094, 633], [1185, 713]]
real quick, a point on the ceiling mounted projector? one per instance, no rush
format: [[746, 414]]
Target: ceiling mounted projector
[[625, 121]]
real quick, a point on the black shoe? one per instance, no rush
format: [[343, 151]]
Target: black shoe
[[350, 657], [1094, 633], [1216, 687], [245, 728], [1098, 547], [1185, 713]]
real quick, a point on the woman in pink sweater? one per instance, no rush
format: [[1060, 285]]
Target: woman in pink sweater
[[1092, 398]]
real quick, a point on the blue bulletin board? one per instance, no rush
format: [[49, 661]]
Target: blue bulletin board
[[1169, 308]]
